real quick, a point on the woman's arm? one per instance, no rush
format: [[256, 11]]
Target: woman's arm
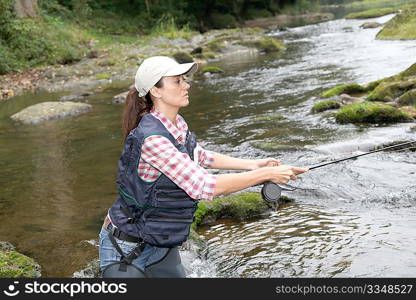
[[222, 161], [229, 183]]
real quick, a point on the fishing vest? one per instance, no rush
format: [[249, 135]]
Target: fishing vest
[[159, 212]]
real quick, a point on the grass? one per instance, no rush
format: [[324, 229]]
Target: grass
[[15, 265], [368, 112]]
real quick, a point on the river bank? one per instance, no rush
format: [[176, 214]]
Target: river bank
[[118, 61]]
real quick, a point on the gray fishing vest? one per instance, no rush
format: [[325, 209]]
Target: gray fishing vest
[[159, 212]]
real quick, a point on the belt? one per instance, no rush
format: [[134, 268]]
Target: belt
[[117, 233]]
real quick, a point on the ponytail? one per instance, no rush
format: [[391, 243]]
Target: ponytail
[[135, 108]]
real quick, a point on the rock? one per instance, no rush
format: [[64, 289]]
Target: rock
[[16, 265], [212, 70], [92, 270], [93, 54], [183, 57], [349, 88], [6, 246], [120, 98], [347, 99], [368, 25], [5, 94], [75, 96], [325, 105], [49, 111]]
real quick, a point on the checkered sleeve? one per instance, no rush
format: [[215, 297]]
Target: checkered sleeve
[[205, 157], [162, 155]]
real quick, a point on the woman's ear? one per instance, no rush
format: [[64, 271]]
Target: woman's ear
[[154, 91]]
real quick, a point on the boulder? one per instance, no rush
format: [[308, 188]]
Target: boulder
[[49, 111], [16, 265], [347, 99], [368, 25]]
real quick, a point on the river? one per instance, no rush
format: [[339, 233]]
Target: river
[[356, 218]]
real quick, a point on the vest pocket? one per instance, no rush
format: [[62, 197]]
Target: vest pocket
[[166, 232], [174, 199]]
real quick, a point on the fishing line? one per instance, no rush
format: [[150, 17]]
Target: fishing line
[[271, 191]]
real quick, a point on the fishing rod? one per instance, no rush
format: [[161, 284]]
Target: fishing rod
[[271, 191]]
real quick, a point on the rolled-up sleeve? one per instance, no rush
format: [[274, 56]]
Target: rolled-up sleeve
[[160, 153]]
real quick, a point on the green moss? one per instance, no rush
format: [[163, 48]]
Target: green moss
[[367, 112], [325, 105], [14, 265], [401, 27], [102, 76], [408, 98], [372, 85], [389, 91], [351, 88], [266, 44], [409, 72], [267, 118], [371, 13], [212, 69], [238, 206], [183, 57]]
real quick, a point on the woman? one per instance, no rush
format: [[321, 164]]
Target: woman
[[161, 176]]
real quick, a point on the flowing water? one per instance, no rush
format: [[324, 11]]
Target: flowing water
[[356, 218]]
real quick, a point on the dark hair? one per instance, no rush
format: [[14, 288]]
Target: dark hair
[[135, 108]]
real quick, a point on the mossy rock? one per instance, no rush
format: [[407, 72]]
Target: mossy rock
[[409, 110], [325, 105], [351, 88], [409, 72], [371, 13], [266, 44], [368, 112], [212, 69], [372, 85], [16, 265], [183, 57], [401, 27], [220, 20], [238, 206], [408, 98], [102, 76], [389, 91]]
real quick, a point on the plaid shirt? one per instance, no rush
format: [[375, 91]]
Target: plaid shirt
[[159, 155]]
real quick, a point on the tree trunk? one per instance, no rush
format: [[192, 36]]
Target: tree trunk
[[25, 8]]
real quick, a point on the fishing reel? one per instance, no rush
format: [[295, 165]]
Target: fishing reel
[[271, 192]]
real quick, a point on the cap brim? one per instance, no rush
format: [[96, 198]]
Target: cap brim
[[183, 69]]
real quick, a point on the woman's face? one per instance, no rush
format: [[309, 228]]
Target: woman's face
[[174, 91]]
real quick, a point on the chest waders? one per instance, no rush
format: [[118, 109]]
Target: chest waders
[[158, 213]]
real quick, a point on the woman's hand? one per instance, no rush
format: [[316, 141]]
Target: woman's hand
[[265, 162], [283, 173]]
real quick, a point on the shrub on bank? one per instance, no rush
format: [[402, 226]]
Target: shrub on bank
[[367, 112]]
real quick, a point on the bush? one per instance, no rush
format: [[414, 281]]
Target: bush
[[255, 13], [367, 112], [325, 105], [219, 20]]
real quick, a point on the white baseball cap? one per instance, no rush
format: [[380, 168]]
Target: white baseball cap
[[154, 68]]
